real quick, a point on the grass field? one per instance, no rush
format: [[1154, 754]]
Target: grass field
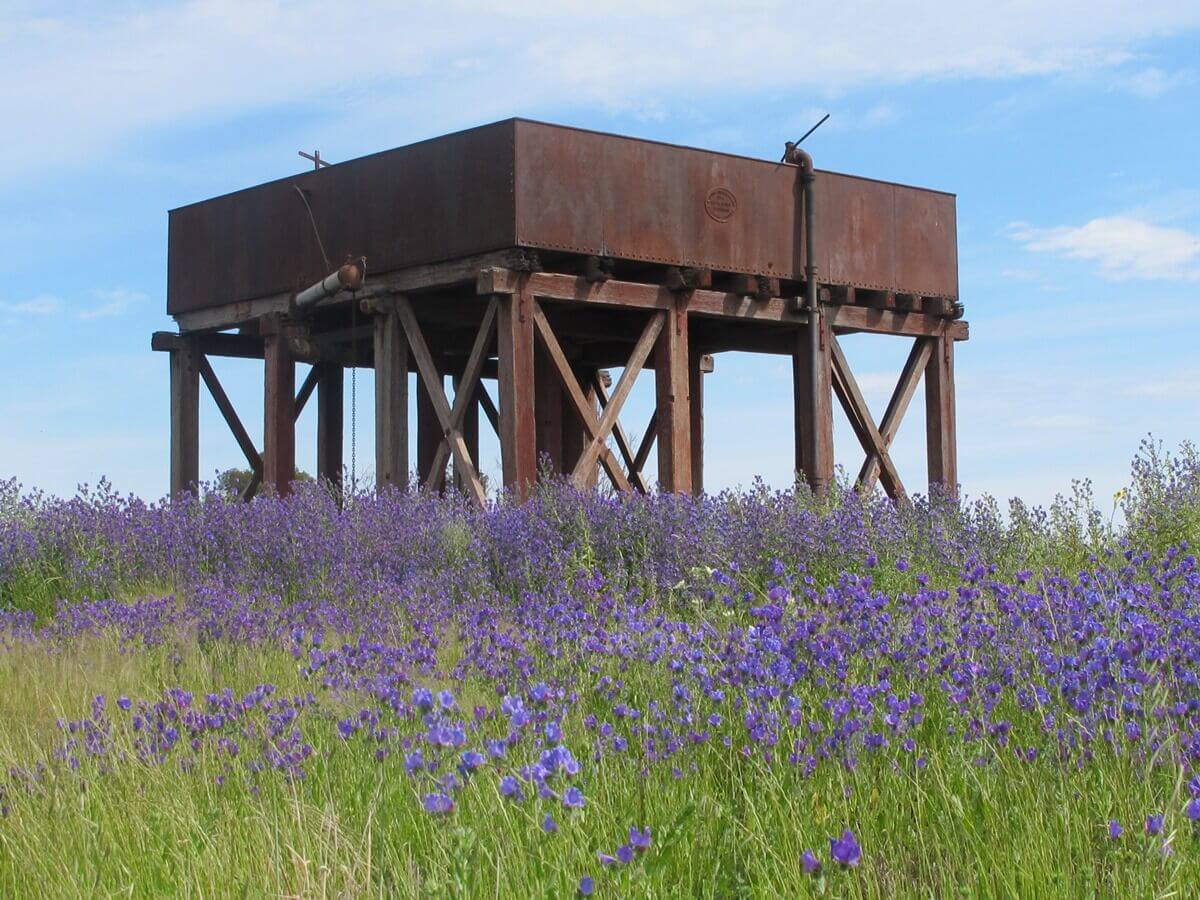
[[744, 695]]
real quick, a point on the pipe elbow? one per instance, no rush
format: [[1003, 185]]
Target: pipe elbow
[[799, 158]]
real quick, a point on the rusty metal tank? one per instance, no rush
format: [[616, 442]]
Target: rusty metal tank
[[524, 184]]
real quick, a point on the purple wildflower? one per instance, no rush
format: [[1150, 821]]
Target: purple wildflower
[[845, 850], [1114, 829], [587, 886], [438, 804], [811, 864], [573, 798]]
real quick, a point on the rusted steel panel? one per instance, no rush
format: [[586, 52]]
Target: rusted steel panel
[[526, 184], [587, 192], [597, 193], [439, 199]]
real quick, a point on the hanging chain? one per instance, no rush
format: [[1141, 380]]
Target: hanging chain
[[353, 394]]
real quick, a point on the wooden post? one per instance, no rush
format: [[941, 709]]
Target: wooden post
[[185, 418], [940, 430], [429, 437], [470, 431], [330, 412], [279, 415], [671, 377], [518, 426], [813, 393], [696, 418], [391, 402], [548, 407]]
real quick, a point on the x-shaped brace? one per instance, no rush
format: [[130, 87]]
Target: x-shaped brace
[[877, 441], [450, 419], [597, 449]]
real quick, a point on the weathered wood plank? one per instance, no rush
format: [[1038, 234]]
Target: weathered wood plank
[[330, 422], [697, 366], [812, 385], [518, 427], [940, 426], [671, 382], [391, 402], [185, 418], [279, 415]]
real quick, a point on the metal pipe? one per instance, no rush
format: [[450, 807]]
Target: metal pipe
[[348, 277], [804, 162]]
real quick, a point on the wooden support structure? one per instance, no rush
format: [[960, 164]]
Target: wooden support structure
[[910, 375], [449, 420], [279, 417], [544, 336], [696, 417], [185, 417], [941, 440], [518, 423], [391, 401], [863, 423], [672, 377], [330, 423], [470, 427], [549, 401], [575, 434], [812, 383], [429, 437]]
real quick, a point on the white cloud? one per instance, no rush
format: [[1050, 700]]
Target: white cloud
[[113, 303], [1152, 82], [90, 85], [1123, 246], [41, 305]]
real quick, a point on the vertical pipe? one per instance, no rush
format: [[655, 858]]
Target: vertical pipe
[[185, 418], [812, 364], [518, 426]]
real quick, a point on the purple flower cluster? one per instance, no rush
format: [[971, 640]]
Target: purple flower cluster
[[519, 650]]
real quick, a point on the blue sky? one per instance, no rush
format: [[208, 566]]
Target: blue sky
[[1068, 131]]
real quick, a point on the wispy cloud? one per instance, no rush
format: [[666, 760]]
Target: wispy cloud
[[1152, 82], [1124, 247], [201, 61], [41, 305], [113, 303]]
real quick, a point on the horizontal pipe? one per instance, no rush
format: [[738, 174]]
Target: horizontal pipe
[[348, 277]]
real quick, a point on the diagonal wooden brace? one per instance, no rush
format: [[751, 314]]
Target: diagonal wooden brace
[[597, 449], [906, 387], [437, 395], [467, 386], [845, 386], [634, 460]]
